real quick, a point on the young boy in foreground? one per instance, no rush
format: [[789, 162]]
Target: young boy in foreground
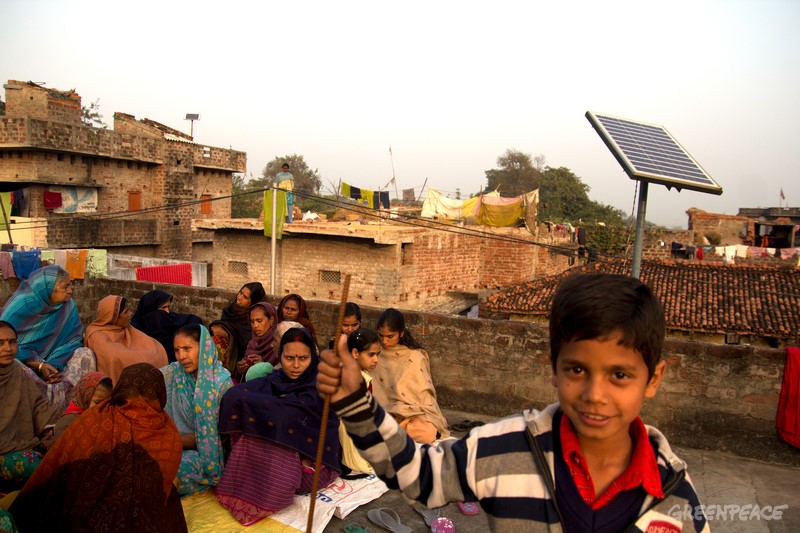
[[586, 463]]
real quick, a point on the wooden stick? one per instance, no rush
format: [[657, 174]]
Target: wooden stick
[[323, 429]]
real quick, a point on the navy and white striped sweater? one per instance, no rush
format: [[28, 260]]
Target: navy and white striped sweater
[[494, 465]]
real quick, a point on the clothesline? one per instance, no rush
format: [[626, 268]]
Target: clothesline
[[20, 263]]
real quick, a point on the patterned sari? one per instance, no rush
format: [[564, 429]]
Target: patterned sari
[[112, 470], [193, 403]]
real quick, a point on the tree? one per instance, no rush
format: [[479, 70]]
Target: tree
[[563, 197], [517, 174], [91, 115], [306, 181], [2, 107]]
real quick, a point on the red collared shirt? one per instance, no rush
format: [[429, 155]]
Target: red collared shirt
[[643, 469]]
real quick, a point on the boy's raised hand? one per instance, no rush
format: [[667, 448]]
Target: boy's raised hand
[[339, 374]]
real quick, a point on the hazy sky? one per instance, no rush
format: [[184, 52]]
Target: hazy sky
[[448, 85]]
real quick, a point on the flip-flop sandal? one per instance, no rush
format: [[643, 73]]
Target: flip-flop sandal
[[466, 425], [387, 519], [443, 525], [429, 515], [469, 508], [353, 528]]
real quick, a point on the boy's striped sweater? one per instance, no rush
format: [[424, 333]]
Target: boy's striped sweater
[[495, 465]]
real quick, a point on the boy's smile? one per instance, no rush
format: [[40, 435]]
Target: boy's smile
[[601, 386]]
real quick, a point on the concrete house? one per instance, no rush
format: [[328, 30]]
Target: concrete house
[[133, 189]]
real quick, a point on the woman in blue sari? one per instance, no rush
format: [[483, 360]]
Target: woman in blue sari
[[195, 384], [49, 332]]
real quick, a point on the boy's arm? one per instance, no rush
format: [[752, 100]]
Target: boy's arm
[[433, 476]]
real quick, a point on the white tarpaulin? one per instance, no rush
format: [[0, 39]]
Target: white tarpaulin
[[76, 199]]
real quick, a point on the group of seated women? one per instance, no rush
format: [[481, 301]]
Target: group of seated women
[[232, 402]]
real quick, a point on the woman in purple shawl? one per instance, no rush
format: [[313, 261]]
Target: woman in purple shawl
[[260, 348], [274, 422]]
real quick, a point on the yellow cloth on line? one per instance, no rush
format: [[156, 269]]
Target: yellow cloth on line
[[5, 197], [280, 213]]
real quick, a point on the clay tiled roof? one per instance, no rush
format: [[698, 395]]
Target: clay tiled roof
[[749, 300]]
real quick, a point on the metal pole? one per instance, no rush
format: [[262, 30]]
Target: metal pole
[[273, 240], [638, 242]]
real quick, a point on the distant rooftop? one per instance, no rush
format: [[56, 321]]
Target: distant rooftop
[[697, 297]]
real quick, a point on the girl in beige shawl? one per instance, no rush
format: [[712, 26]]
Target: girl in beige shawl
[[116, 343], [402, 381]]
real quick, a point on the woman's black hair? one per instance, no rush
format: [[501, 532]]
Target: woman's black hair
[[352, 309], [190, 330], [122, 303], [361, 339], [298, 335], [394, 320], [4, 324], [257, 292]]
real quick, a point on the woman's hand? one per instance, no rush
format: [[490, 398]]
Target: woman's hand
[[48, 372], [339, 374]]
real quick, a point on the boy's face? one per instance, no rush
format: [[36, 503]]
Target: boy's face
[[601, 386]]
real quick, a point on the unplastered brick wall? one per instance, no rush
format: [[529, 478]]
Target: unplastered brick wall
[[217, 184], [730, 229], [240, 257], [439, 262], [310, 267], [48, 104], [713, 396]]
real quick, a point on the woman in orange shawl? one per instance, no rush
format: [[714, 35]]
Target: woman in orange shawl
[[117, 344], [112, 469]]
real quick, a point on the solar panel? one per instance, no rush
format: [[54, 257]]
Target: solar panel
[[649, 152]]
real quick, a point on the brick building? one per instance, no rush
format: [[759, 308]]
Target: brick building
[[133, 190], [411, 267]]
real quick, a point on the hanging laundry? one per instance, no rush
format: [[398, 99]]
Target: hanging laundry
[[756, 251], [5, 199], [6, 266], [788, 253], [383, 201], [76, 263], [788, 417], [741, 250], [344, 190], [499, 212], [280, 213], [52, 200], [180, 274], [49, 257], [97, 263], [60, 258], [76, 199], [25, 262]]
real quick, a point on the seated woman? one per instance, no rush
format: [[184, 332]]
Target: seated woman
[[116, 344], [365, 347], [92, 389], [275, 423], [50, 334], [195, 384], [260, 348], [238, 311], [402, 381], [154, 317], [226, 337], [24, 415], [112, 470]]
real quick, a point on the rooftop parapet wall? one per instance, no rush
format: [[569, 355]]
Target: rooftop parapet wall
[[32, 133], [219, 158], [712, 396]]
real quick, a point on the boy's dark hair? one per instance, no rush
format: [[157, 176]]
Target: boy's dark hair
[[596, 306]]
